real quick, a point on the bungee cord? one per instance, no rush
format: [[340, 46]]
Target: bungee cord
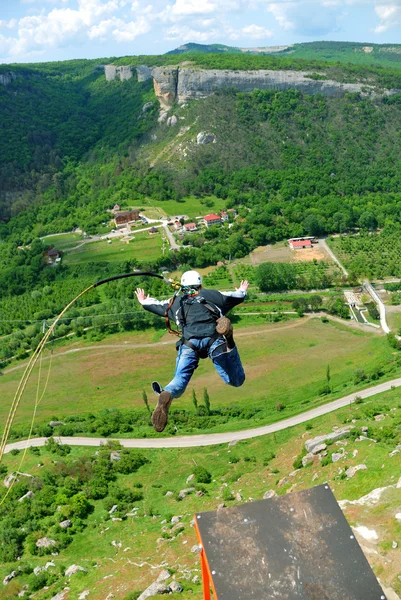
[[37, 353]]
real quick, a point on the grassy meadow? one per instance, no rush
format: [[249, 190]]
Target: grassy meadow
[[141, 246], [285, 363], [123, 557]]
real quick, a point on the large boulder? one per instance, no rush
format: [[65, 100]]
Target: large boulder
[[310, 445], [154, 589], [73, 569], [62, 595], [26, 496], [205, 138], [9, 577], [65, 524], [269, 494], [352, 470], [172, 121], [15, 476], [175, 587], [45, 542]]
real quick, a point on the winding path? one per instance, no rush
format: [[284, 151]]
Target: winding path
[[192, 441]]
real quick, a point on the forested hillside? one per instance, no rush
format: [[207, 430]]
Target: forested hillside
[[73, 145]]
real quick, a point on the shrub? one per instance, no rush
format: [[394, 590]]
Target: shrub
[[15, 451], [280, 406], [202, 475], [358, 400], [227, 495]]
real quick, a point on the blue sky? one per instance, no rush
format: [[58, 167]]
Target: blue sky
[[43, 30]]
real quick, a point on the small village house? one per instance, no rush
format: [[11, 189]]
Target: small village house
[[211, 220], [126, 216]]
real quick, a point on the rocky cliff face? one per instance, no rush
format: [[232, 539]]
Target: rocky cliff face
[[7, 77], [113, 72], [179, 84]]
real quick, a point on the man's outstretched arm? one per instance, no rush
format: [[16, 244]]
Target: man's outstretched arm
[[231, 299], [158, 307]]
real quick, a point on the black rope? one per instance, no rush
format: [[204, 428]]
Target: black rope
[[134, 274]]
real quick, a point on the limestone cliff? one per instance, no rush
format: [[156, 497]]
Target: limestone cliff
[[179, 84], [7, 77], [122, 73]]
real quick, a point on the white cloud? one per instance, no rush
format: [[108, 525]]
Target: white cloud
[[8, 24], [389, 15], [256, 32], [127, 32], [193, 7], [188, 34], [280, 13]]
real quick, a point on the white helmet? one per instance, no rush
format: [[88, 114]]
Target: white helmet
[[190, 278]]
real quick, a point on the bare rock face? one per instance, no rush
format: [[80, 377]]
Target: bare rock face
[[181, 84], [165, 81], [56, 423], [122, 73], [144, 73], [7, 78], [172, 121], [147, 106]]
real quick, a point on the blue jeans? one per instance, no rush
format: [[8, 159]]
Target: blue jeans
[[227, 364]]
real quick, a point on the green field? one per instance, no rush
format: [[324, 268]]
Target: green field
[[284, 363], [141, 246], [190, 206], [249, 469], [63, 240]]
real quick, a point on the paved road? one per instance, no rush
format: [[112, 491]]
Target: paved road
[[211, 439], [171, 239]]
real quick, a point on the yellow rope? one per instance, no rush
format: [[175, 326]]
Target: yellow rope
[[28, 370], [37, 402]]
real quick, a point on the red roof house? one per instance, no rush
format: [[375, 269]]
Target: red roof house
[[212, 220], [296, 244]]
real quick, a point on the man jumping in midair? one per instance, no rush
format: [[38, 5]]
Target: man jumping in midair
[[206, 332]]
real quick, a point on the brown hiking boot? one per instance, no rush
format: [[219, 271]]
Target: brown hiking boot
[[160, 414]]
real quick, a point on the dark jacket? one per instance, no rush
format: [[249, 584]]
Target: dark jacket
[[191, 314]]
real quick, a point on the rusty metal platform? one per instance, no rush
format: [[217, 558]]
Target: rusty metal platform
[[292, 547]]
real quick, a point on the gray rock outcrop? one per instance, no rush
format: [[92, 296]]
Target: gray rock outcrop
[[205, 138], [165, 81], [45, 542], [26, 496], [352, 470], [147, 106], [310, 445], [172, 121], [11, 476], [7, 78], [73, 569], [65, 524], [269, 494], [173, 84], [113, 72], [144, 73], [61, 595], [175, 587], [9, 577], [154, 589], [115, 456]]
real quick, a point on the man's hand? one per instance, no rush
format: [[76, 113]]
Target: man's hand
[[244, 286], [140, 294]]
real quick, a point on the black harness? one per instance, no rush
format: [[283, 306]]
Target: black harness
[[185, 307]]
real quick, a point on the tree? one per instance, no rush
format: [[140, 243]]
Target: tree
[[328, 376], [145, 401], [194, 400], [206, 401]]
